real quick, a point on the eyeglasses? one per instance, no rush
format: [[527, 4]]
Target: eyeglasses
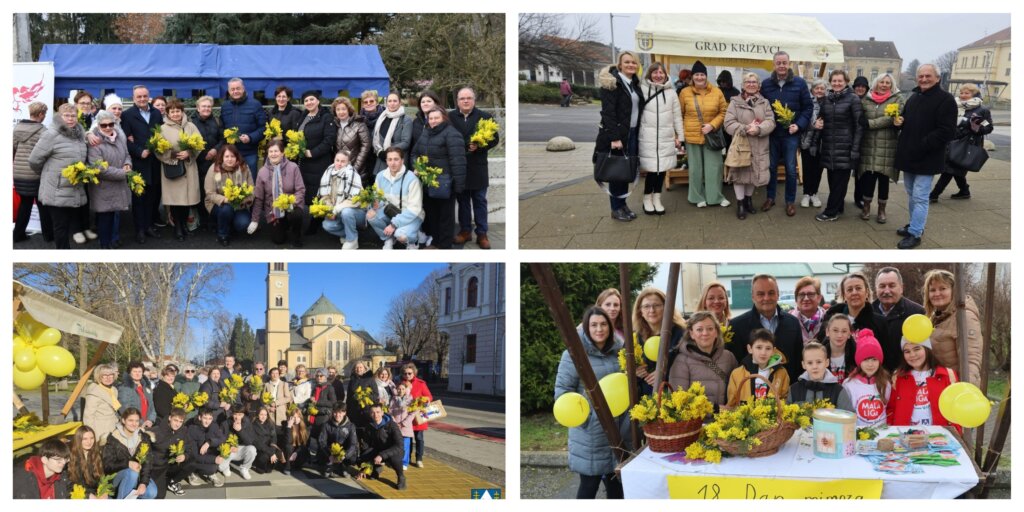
[[410, 373], [754, 82], [806, 295], [259, 369], [190, 371], [651, 307], [84, 103], [106, 125]]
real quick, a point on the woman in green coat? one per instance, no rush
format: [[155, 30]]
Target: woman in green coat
[[878, 150]]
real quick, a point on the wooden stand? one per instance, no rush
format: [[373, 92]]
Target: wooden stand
[[681, 176]]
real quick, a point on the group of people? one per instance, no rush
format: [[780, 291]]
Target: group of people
[[134, 430], [872, 132], [852, 353], [346, 150]]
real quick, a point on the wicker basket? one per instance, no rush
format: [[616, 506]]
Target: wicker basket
[[665, 437], [771, 439]]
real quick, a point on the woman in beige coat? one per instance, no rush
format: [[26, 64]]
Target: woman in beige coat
[[939, 306], [101, 405], [282, 396], [705, 164], [703, 358], [182, 192], [750, 116]]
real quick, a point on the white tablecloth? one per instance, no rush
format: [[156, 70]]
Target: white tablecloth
[[644, 477]]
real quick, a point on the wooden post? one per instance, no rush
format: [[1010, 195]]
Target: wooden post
[[986, 334], [961, 327], [560, 314], [995, 445], [84, 379], [630, 346], [661, 370]]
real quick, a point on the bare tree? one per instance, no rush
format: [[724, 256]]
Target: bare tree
[[412, 319], [545, 39], [946, 61]]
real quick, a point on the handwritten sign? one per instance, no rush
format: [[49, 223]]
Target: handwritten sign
[[705, 487]]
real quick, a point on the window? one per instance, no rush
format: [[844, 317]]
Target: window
[[860, 72], [448, 300], [963, 63], [310, 320], [974, 61], [471, 292], [279, 267], [1007, 72], [279, 301], [330, 351], [330, 320], [346, 350], [470, 348]]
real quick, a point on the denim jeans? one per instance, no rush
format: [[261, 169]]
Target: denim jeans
[[105, 225], [418, 437], [251, 160], [918, 187], [407, 232], [127, 480], [347, 225], [783, 147], [228, 219], [473, 206]]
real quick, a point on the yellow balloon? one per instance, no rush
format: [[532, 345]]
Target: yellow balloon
[[571, 410], [951, 394], [917, 328], [970, 410], [615, 387], [28, 326], [25, 358], [47, 337], [29, 380], [55, 361], [651, 347]]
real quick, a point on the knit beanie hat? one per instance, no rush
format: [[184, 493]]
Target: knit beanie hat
[[925, 343], [699, 67], [860, 81], [867, 347]]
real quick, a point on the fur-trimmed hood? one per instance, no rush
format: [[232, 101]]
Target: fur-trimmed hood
[[609, 77], [74, 132]]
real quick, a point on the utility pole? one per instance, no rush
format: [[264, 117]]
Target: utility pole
[[611, 24], [22, 40], [988, 66]]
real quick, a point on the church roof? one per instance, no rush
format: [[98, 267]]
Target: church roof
[[377, 352], [322, 306], [298, 342], [366, 337]]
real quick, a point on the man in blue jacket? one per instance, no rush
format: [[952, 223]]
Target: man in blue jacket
[[138, 123], [246, 114], [792, 92]]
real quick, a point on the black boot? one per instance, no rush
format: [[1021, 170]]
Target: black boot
[[749, 205], [741, 209]]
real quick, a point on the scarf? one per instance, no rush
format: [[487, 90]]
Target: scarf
[[808, 326], [34, 465], [309, 117], [880, 98], [316, 399], [834, 96], [964, 106], [143, 403], [378, 143], [343, 179], [275, 188], [114, 402]]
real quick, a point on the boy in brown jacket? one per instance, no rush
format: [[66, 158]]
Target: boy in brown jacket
[[764, 359]]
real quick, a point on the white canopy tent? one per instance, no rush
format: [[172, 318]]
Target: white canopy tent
[[737, 40]]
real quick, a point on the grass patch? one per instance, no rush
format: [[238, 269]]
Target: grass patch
[[540, 432], [997, 385], [1004, 462]]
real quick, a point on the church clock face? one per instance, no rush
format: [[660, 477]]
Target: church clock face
[[278, 284]]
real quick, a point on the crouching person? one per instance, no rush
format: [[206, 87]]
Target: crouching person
[[42, 476], [204, 437], [400, 215], [127, 451], [239, 425], [338, 430], [383, 444], [169, 470]]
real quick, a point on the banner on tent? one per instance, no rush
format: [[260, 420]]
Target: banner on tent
[[33, 81]]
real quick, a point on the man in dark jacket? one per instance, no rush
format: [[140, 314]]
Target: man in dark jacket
[[204, 437], [384, 445], [927, 126], [894, 308], [766, 314], [244, 454], [42, 475], [337, 383], [472, 200], [168, 472], [792, 92], [342, 431], [138, 123], [248, 116]]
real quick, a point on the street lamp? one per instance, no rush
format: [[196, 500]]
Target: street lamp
[[988, 67], [611, 23]]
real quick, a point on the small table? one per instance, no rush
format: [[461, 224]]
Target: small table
[[25, 440], [645, 475]]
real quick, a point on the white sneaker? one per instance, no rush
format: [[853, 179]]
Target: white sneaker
[[91, 235], [226, 473], [424, 238], [702, 204], [389, 244], [79, 238], [218, 481], [194, 479], [724, 203], [412, 247], [245, 474], [815, 201], [345, 244], [805, 201]]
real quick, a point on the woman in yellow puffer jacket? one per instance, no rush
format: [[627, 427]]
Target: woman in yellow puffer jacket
[[705, 164]]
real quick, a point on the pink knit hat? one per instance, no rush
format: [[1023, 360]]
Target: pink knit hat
[[867, 347]]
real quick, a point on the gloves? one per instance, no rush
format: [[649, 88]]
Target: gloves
[[252, 227]]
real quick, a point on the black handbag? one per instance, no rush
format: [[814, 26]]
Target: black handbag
[[443, 190], [392, 211], [611, 168], [174, 171], [964, 154], [715, 139]]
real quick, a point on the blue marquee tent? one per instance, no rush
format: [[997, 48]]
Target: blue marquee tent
[[327, 68]]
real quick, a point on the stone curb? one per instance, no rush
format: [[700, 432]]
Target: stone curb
[[544, 459]]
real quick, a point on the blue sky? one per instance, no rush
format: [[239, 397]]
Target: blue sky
[[362, 291]]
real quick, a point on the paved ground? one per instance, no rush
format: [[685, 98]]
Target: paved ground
[[321, 240], [562, 208]]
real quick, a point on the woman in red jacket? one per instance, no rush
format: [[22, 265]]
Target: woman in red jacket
[[917, 385], [419, 388]]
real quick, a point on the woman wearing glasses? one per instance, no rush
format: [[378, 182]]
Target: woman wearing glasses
[[188, 382], [808, 309], [101, 403], [61, 146], [648, 312], [111, 195], [419, 389]]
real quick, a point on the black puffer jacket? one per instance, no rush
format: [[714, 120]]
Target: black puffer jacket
[[356, 413], [212, 133], [164, 437], [290, 117], [321, 133], [616, 109], [929, 124], [384, 439], [842, 131], [343, 433], [198, 436], [116, 455], [443, 145]]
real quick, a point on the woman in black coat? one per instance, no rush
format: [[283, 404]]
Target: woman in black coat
[[361, 377], [622, 102], [324, 398], [212, 388], [289, 116], [265, 440], [321, 132], [425, 102], [841, 132], [443, 146], [974, 122]]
